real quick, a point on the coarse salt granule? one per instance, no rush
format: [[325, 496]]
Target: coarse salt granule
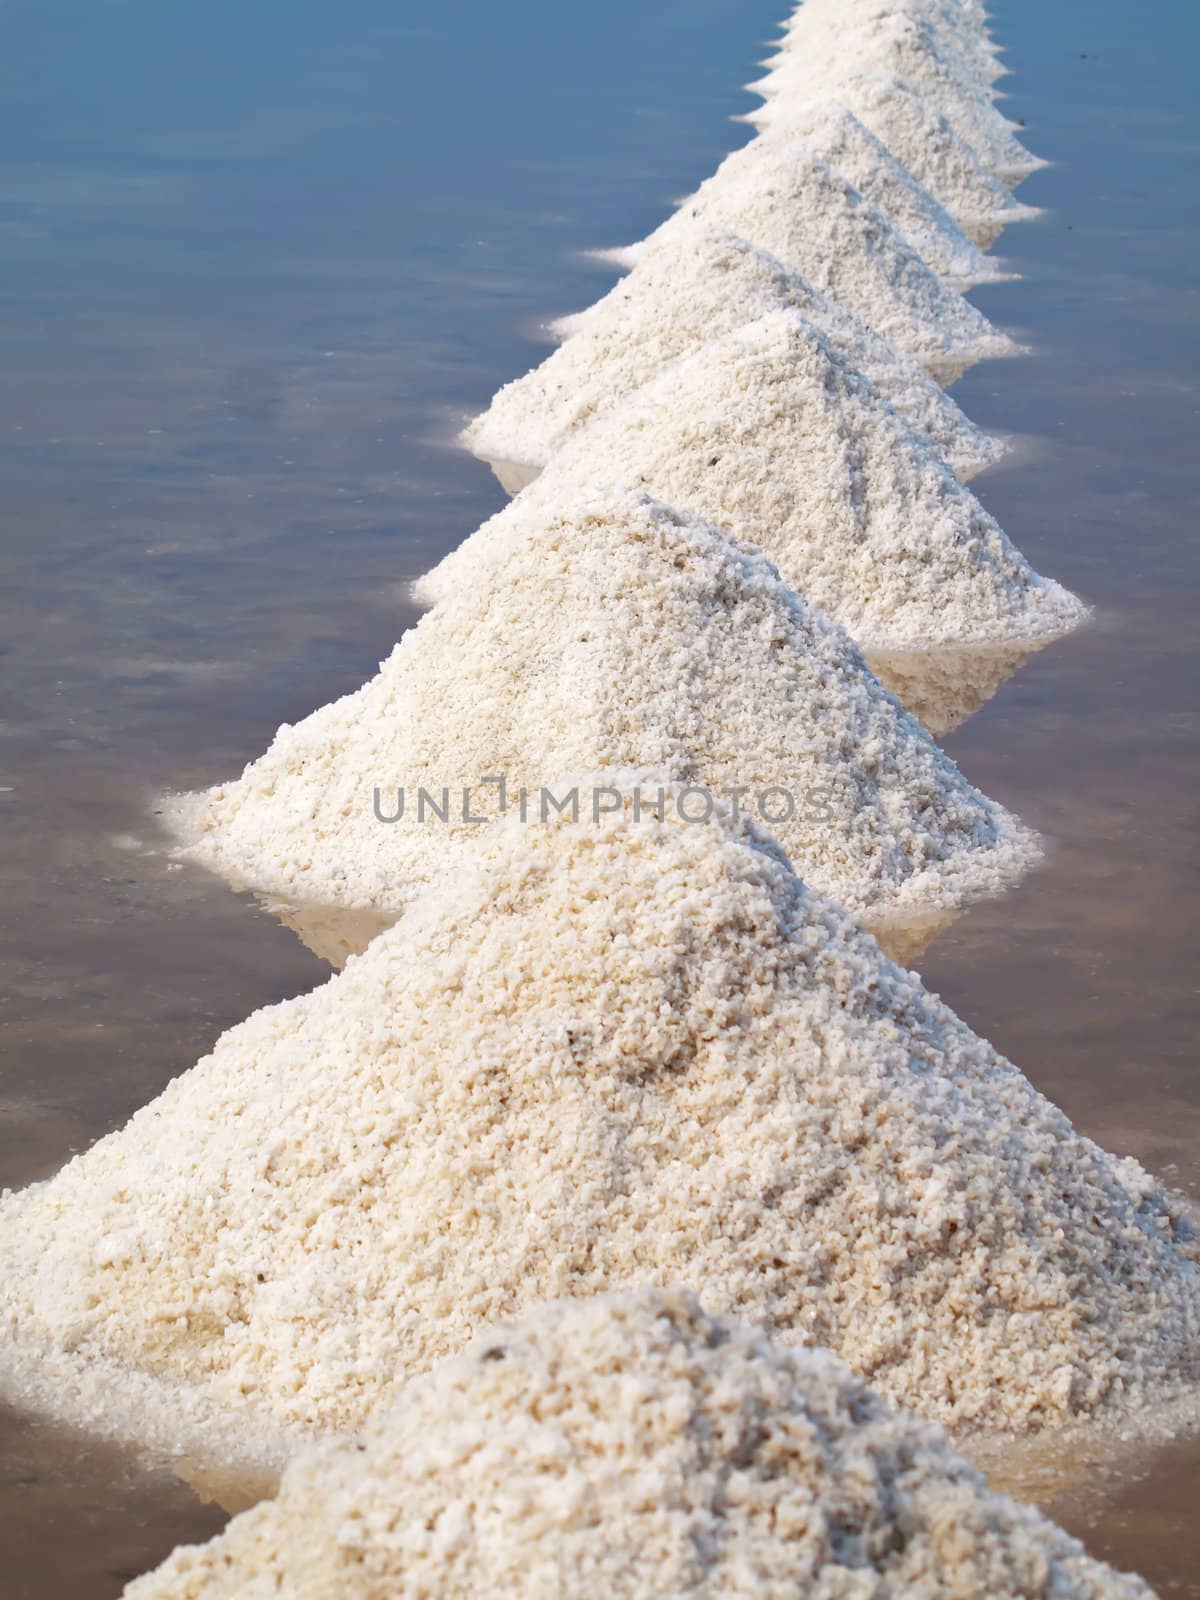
[[693, 288], [834, 133], [632, 1446], [786, 200], [626, 1054], [770, 434], [969, 19], [924, 141], [962, 38], [615, 633], [631, 1053], [907, 46]]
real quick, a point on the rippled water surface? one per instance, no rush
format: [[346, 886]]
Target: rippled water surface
[[257, 261]]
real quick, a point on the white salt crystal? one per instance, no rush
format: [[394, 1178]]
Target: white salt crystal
[[959, 36], [769, 433], [615, 633], [633, 1447], [639, 1053], [924, 141], [905, 45], [787, 201], [694, 287], [835, 134]]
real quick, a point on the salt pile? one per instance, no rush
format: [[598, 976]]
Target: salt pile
[[637, 1049], [616, 633], [698, 1073], [904, 44], [941, 161], [787, 201], [693, 288], [769, 433], [632, 1446], [964, 39], [835, 134]]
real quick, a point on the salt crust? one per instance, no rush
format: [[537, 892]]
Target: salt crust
[[690, 289], [617, 633], [787, 201], [941, 161], [906, 45], [700, 1074], [835, 134], [632, 1446], [770, 434]]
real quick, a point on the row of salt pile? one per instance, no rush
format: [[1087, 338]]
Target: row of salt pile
[[417, 1241]]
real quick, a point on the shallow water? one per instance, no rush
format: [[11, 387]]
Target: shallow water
[[1086, 977], [255, 264]]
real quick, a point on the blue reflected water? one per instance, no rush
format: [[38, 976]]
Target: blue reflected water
[[259, 262]]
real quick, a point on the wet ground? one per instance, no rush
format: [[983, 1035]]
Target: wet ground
[[252, 272]]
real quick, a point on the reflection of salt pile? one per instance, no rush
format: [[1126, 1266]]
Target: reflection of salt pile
[[631, 1446], [634, 1053], [945, 687], [925, 142], [617, 634], [691, 289], [784, 199], [770, 434], [835, 134], [905, 44], [335, 933]]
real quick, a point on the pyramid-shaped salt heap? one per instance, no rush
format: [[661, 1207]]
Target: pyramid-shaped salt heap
[[614, 633], [906, 45], [769, 433], [695, 288], [830, 130], [631, 1446], [940, 160], [776, 193], [633, 1053]]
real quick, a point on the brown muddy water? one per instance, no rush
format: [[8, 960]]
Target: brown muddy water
[[250, 278]]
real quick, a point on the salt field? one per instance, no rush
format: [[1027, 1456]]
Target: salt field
[[228, 459]]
